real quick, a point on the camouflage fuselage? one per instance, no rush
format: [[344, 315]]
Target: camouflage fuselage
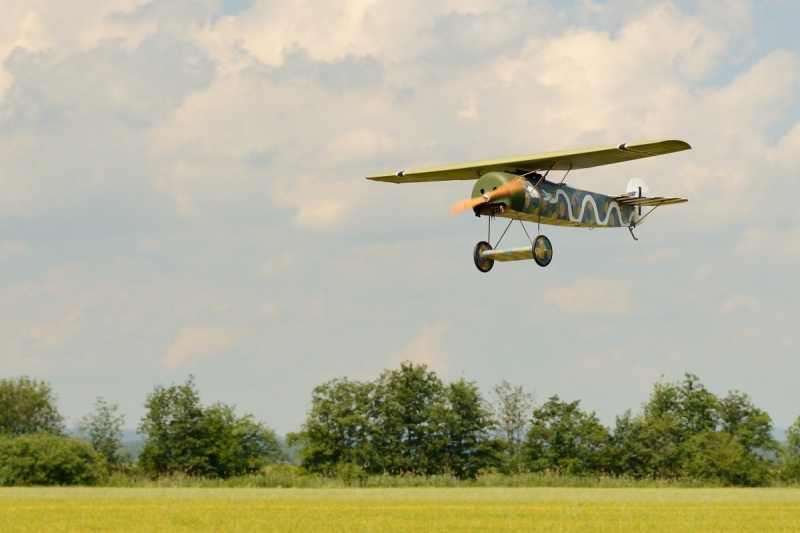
[[554, 204]]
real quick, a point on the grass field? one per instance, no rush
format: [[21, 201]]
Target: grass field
[[390, 510]]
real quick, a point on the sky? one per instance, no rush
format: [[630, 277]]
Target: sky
[[182, 193]]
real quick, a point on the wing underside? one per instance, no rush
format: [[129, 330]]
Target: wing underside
[[565, 160]]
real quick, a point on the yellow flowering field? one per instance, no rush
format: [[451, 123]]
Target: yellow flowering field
[[398, 510]]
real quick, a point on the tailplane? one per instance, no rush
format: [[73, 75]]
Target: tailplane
[[638, 195]]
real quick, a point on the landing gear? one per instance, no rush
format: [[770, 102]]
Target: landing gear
[[542, 251], [483, 264]]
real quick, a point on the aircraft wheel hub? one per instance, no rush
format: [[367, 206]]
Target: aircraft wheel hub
[[484, 264], [542, 251]]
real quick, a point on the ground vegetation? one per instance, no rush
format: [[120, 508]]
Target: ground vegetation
[[407, 427]]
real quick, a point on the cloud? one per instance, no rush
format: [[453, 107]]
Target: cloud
[[190, 175], [270, 309], [150, 244], [137, 88], [776, 243], [650, 257], [743, 306], [349, 73], [616, 365], [74, 125], [200, 343], [428, 347], [594, 297], [359, 144], [278, 264], [11, 250]]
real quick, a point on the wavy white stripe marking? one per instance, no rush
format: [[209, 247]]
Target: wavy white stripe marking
[[586, 199]]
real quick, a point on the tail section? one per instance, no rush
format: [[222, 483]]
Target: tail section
[[638, 195]]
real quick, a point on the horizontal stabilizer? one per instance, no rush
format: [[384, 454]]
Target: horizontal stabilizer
[[648, 202], [509, 254]]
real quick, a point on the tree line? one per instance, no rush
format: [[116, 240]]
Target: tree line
[[181, 436], [408, 421]]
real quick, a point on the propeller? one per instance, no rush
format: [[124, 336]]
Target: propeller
[[508, 189]]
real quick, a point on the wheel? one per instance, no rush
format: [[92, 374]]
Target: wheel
[[483, 264], [542, 251]]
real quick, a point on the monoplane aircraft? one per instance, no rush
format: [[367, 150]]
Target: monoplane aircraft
[[517, 188]]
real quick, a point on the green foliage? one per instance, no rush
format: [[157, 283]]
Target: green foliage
[[47, 459], [238, 445], [791, 453], [103, 429], [685, 430], [408, 408], [338, 428], [183, 437], [718, 457], [406, 428], [405, 422], [565, 439], [747, 424], [28, 406], [687, 407], [174, 436], [511, 408], [467, 444], [646, 447], [350, 473]]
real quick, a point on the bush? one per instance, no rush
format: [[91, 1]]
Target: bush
[[46, 459]]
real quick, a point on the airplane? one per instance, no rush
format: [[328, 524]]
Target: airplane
[[517, 188]]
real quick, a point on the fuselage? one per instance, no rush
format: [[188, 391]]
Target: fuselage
[[555, 204]]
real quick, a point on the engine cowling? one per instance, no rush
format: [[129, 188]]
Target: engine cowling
[[494, 180]]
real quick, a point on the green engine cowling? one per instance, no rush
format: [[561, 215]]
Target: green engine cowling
[[493, 180]]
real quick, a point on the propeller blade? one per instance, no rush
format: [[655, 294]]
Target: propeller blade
[[504, 190], [466, 204]]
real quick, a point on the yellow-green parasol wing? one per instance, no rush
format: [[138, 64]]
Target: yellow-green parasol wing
[[566, 160]]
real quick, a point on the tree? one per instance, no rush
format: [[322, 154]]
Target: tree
[[405, 422], [238, 445], [175, 441], [791, 457], [751, 428], [719, 457], [103, 429], [747, 424], [408, 416], [564, 438], [48, 459], [183, 437], [688, 406], [654, 444], [686, 431], [468, 446], [511, 409], [643, 446], [28, 406], [339, 428]]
